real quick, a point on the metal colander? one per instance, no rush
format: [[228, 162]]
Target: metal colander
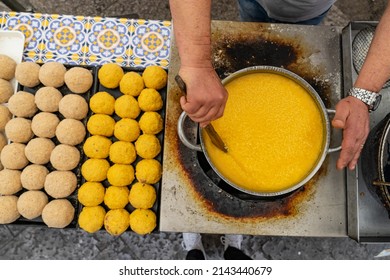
[[360, 45]]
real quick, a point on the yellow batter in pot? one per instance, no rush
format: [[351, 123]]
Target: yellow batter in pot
[[274, 130]]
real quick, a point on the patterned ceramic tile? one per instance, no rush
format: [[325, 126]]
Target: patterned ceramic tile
[[2, 19]]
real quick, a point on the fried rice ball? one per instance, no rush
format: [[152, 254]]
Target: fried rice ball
[[48, 99], [116, 197], [127, 106], [22, 104], [120, 174], [91, 218], [73, 106], [58, 213], [122, 152], [97, 146], [13, 156], [127, 130], [6, 90], [142, 195], [71, 132], [10, 181], [100, 124], [91, 193], [150, 100], [78, 79], [102, 103], [155, 77], [110, 74], [8, 209], [148, 171], [38, 150], [52, 74], [27, 74], [33, 177], [95, 170], [19, 130], [44, 124], [142, 221], [151, 123], [8, 66], [131, 84], [116, 221], [3, 141], [5, 116], [65, 157], [60, 184], [148, 146], [31, 203]]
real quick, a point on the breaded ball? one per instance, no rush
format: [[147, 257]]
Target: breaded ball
[[52, 74], [122, 152], [91, 218], [120, 174], [27, 74], [148, 171], [142, 221], [95, 170], [100, 124], [60, 184], [150, 100], [155, 77], [73, 106], [8, 209], [58, 213], [127, 130], [48, 99], [116, 221], [38, 150], [19, 130], [3, 141], [78, 79], [102, 103], [33, 177], [65, 157], [13, 156], [8, 66], [127, 106], [5, 116], [142, 195], [10, 181], [71, 132], [131, 84], [91, 193], [148, 146], [6, 90], [110, 74], [31, 203], [97, 146], [151, 123], [22, 104], [116, 197], [44, 124]]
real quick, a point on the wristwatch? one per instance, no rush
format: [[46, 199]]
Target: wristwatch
[[371, 98]]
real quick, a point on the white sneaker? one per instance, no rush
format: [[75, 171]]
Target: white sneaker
[[192, 241], [233, 240]]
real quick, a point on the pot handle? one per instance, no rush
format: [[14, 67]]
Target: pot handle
[[183, 137], [332, 150]]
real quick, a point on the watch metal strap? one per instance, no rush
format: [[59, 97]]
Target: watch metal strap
[[364, 95]]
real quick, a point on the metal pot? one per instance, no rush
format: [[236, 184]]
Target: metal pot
[[281, 71]]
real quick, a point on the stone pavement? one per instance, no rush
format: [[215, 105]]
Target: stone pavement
[[34, 242]]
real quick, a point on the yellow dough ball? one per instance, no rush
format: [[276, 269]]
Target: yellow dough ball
[[120, 174], [100, 124], [122, 152], [102, 103], [148, 146], [148, 171], [127, 106], [142, 195], [127, 130], [91, 193], [116, 197], [91, 219], [95, 170], [151, 123], [131, 84], [110, 74], [116, 221], [150, 100], [142, 221], [155, 77], [97, 146]]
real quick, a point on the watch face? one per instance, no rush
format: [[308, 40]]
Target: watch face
[[376, 103]]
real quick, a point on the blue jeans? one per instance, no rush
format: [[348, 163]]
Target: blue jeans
[[252, 11]]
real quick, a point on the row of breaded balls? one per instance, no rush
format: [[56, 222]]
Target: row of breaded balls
[[130, 144]]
